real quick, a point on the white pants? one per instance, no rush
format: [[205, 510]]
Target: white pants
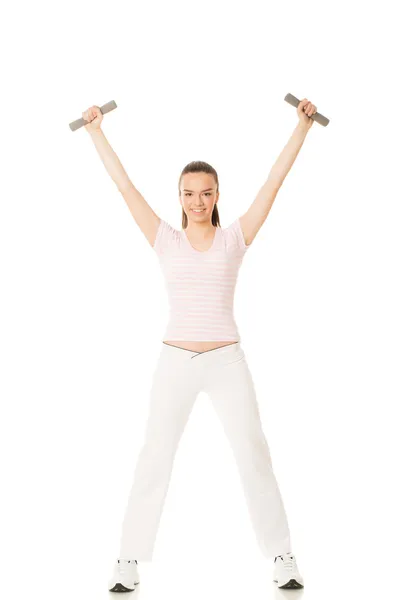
[[223, 374]]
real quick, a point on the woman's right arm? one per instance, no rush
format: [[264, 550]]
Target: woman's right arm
[[145, 217]]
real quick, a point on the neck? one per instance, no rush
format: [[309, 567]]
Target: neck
[[200, 230]]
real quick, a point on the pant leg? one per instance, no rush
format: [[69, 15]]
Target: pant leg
[[172, 397], [231, 391]]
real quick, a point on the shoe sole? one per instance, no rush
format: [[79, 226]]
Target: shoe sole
[[292, 584], [119, 587]]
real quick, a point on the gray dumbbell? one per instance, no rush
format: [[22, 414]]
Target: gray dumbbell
[[316, 117], [104, 109]]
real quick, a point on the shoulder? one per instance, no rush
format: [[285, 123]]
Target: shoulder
[[234, 237], [165, 236]]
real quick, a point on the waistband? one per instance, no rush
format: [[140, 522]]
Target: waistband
[[228, 349]]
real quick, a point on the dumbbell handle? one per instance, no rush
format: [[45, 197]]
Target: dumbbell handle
[[316, 117], [104, 109]]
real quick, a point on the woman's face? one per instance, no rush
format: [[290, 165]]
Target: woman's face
[[198, 191]]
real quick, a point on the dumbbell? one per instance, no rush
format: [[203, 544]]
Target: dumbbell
[[316, 117], [106, 108]]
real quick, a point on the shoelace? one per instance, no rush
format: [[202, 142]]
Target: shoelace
[[288, 562], [122, 564]]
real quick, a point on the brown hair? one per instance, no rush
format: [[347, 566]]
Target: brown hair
[[198, 166]]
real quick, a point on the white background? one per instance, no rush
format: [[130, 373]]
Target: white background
[[83, 306]]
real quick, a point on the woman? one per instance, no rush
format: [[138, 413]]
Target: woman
[[201, 351]]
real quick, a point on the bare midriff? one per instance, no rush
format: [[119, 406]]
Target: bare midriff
[[197, 346]]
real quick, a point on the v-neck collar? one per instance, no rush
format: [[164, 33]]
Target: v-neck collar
[[185, 237]]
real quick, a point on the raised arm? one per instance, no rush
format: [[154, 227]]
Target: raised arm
[[145, 217], [255, 216]]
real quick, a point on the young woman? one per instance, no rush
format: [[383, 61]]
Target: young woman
[[201, 351]]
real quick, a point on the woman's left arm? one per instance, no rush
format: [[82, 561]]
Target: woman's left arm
[[255, 216]]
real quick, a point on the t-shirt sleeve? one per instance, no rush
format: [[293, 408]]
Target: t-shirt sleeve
[[235, 236], [166, 235]]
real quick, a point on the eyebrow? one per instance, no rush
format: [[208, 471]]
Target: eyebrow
[[207, 190]]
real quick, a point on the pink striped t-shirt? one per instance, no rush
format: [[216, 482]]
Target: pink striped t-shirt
[[200, 284]]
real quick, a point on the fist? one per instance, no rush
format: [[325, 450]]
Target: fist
[[94, 117], [304, 111]]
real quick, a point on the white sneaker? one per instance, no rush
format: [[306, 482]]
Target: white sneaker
[[286, 572], [125, 576]]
